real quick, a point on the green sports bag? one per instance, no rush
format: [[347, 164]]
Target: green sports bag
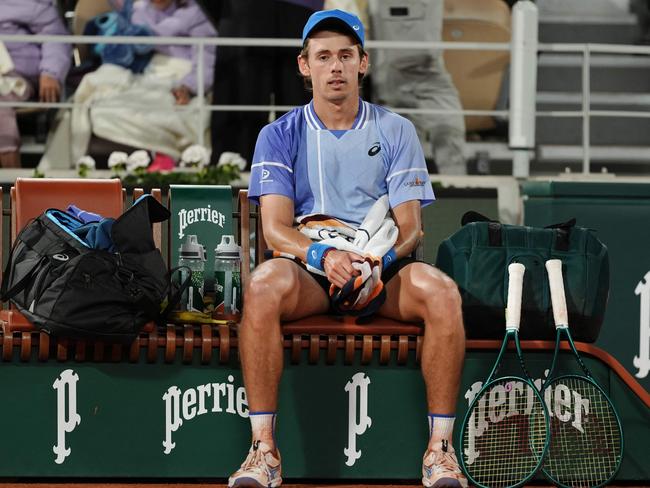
[[477, 258]]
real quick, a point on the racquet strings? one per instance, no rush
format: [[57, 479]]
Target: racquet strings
[[586, 441], [506, 434]]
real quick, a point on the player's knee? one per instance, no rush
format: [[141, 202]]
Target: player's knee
[[449, 294], [440, 299], [433, 287], [270, 283]]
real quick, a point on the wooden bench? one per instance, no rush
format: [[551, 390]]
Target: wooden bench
[[30, 197], [318, 338]]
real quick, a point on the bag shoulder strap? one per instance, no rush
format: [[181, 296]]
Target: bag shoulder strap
[[495, 238], [18, 287], [562, 233]]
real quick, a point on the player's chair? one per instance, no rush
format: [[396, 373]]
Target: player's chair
[[31, 196]]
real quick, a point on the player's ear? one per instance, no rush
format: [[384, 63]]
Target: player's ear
[[363, 65], [303, 65]]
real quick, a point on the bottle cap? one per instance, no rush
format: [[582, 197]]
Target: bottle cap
[[227, 248], [191, 249]]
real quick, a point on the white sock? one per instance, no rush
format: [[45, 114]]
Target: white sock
[[263, 427], [441, 428]]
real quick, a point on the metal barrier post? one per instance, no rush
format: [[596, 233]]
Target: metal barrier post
[[586, 105], [523, 85], [200, 92]]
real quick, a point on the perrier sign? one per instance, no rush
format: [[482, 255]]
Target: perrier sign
[[204, 211]]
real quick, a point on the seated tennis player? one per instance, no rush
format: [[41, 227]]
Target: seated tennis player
[[337, 156]]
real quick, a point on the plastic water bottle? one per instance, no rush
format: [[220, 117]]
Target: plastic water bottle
[[192, 255], [227, 277]]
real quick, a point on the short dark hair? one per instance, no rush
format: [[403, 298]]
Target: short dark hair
[[332, 25]]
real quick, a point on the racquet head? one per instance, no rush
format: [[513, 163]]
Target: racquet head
[[505, 431], [586, 445], [505, 434]]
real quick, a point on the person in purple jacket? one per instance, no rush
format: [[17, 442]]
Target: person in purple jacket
[[30, 67], [180, 18]]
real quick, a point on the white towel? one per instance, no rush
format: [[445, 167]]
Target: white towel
[[375, 236], [6, 63]]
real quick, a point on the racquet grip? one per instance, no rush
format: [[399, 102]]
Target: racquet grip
[[515, 288], [558, 297]]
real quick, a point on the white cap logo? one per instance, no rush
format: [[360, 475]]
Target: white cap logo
[[356, 27]]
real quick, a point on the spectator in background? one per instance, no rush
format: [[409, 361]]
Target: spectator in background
[[418, 78], [28, 68], [180, 18], [255, 75], [169, 79]]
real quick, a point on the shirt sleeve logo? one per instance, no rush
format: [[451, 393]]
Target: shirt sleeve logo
[[266, 176], [416, 182], [374, 149]]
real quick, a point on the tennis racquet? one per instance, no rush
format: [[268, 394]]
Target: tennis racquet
[[504, 434], [586, 436]]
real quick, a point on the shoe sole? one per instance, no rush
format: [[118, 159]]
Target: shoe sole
[[444, 483], [252, 483]]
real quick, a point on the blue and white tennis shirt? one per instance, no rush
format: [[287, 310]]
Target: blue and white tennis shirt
[[340, 173]]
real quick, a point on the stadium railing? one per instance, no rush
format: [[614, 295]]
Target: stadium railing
[[521, 114]]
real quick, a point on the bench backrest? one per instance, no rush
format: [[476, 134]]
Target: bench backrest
[[31, 196]]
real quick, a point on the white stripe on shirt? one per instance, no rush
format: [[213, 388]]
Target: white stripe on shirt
[[320, 174], [362, 117], [310, 123], [271, 163], [411, 170], [315, 121]]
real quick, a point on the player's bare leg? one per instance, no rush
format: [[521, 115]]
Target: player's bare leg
[[278, 290], [420, 292]]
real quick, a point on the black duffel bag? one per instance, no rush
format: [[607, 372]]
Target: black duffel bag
[[477, 256], [66, 287]]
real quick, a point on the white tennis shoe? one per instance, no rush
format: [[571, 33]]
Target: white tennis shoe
[[261, 469], [440, 468]]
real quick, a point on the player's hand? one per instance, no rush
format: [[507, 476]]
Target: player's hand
[[49, 89], [338, 266], [182, 95]]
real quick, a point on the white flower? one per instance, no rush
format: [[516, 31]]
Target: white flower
[[195, 156], [117, 158], [85, 161], [138, 159], [233, 158]]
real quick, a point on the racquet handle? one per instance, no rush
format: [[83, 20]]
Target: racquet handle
[[515, 287], [558, 298]]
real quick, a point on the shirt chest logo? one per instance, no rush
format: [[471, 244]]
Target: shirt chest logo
[[374, 149]]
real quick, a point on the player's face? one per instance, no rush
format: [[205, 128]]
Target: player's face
[[334, 65]]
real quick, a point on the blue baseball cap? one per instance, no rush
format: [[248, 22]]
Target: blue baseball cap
[[350, 21]]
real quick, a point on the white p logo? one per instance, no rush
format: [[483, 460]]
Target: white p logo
[[359, 383], [65, 423]]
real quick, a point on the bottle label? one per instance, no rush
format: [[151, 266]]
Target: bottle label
[[227, 288]]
